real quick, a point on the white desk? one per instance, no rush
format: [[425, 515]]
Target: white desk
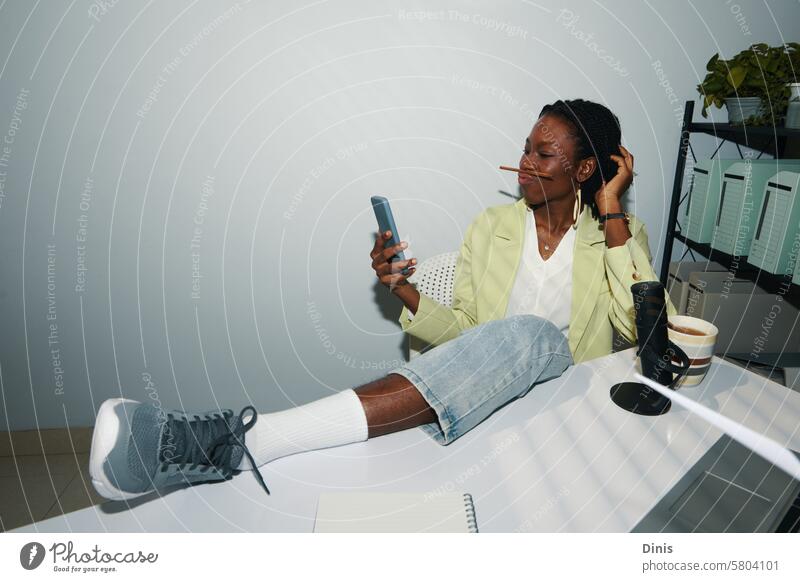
[[563, 458]]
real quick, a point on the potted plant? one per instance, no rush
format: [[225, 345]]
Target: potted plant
[[753, 85]]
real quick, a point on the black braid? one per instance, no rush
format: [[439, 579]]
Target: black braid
[[597, 133]]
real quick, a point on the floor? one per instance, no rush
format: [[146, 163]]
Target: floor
[[44, 474]]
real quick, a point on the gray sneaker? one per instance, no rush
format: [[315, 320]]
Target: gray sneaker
[[137, 448]]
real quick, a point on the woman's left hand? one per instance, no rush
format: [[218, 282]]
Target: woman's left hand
[[611, 192]]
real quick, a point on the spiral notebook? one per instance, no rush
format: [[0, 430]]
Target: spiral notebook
[[374, 512]]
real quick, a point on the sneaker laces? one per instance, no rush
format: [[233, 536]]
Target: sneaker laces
[[218, 453]]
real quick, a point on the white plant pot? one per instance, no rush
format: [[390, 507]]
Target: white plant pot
[[740, 109], [793, 109]]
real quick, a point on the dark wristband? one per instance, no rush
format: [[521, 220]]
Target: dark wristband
[[604, 217]]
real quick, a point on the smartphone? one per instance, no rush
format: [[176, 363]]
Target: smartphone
[[383, 213]]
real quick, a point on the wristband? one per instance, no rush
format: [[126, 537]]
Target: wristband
[[624, 215]]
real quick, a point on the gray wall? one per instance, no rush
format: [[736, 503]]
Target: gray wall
[[147, 144]]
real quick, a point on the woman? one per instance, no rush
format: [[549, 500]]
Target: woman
[[517, 319], [606, 256]]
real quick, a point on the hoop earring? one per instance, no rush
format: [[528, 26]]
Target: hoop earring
[[576, 209]]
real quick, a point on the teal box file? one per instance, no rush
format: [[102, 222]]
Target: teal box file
[[796, 275], [776, 240], [702, 202], [743, 186]]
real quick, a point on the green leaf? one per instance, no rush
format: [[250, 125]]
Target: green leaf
[[736, 75], [752, 81], [712, 62]]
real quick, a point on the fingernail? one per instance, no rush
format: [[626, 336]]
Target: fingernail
[[404, 245]]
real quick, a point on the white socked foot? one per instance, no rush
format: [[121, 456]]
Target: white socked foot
[[331, 421]]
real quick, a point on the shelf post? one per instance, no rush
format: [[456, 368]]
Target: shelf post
[[677, 185]]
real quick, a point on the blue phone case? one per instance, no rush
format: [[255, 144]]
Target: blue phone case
[[383, 213]]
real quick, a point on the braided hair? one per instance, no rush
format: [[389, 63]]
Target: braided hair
[[597, 134]]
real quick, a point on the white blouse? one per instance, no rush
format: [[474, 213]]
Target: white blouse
[[544, 288]]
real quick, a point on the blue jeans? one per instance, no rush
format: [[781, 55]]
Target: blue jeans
[[467, 378]]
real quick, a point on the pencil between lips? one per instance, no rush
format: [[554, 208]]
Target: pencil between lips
[[522, 171]]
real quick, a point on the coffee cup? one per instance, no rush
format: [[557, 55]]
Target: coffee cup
[[698, 338]]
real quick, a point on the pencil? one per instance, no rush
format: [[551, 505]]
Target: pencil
[[523, 171]]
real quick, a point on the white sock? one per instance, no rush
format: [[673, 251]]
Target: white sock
[[332, 421]]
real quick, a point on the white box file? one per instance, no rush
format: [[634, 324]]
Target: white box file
[[703, 198], [745, 315], [678, 279], [776, 241], [743, 186], [702, 284]]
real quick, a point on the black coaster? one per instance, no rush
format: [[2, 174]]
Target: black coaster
[[640, 399]]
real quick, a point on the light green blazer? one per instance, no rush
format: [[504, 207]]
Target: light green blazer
[[487, 267]]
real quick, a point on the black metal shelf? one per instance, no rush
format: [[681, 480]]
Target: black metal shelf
[[767, 139], [720, 128], [771, 140]]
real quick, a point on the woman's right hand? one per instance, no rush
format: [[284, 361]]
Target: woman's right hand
[[387, 272]]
